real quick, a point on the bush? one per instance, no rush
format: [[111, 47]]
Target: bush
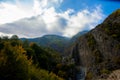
[[104, 71], [89, 76]]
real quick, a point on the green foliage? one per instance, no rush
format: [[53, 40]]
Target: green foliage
[[14, 37], [65, 71], [61, 73], [89, 76], [55, 42], [46, 60], [25, 43], [1, 45], [16, 62], [98, 56], [5, 38], [28, 61], [116, 13], [118, 46], [39, 74], [91, 41], [104, 71], [111, 27], [116, 60]]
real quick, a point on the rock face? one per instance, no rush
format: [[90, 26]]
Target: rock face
[[115, 75], [99, 50]]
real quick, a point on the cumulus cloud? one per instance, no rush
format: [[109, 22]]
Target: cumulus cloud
[[85, 19], [32, 27], [10, 12], [42, 18]]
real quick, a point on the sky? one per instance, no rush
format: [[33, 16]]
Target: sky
[[35, 18]]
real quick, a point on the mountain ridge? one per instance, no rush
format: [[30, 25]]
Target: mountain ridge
[[56, 42], [99, 50]]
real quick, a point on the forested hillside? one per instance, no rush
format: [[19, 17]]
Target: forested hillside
[[28, 61], [57, 43]]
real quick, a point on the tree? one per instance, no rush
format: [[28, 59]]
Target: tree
[[14, 37], [15, 64]]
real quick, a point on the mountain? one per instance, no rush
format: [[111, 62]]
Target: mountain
[[55, 42], [75, 37], [58, 43], [98, 51], [72, 42]]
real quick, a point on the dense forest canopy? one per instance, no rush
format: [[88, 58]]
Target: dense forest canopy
[[21, 60]]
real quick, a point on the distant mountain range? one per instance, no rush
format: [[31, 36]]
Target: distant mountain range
[[55, 42], [31, 27], [58, 43]]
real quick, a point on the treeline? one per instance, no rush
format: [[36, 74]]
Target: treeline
[[21, 60]]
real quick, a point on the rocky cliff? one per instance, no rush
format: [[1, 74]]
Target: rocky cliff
[[99, 50]]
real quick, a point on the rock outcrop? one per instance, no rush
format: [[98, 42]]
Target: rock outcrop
[[99, 50]]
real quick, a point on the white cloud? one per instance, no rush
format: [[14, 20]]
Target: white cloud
[[82, 20], [42, 18], [10, 13], [4, 34]]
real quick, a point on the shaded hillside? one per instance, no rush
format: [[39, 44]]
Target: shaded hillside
[[72, 41], [98, 51], [75, 37], [55, 42]]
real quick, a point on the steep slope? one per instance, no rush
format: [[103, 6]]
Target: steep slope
[[55, 42], [75, 37], [98, 51]]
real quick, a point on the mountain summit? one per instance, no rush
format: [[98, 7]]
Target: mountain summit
[[98, 51]]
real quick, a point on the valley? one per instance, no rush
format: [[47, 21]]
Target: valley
[[88, 55]]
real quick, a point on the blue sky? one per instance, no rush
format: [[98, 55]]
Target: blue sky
[[35, 18], [108, 6]]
